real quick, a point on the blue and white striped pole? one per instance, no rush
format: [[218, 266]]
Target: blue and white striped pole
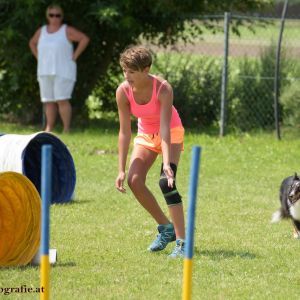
[[46, 184], [189, 250]]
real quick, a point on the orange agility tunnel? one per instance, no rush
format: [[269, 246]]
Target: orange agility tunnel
[[20, 215]]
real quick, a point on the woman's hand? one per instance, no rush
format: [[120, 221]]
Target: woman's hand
[[120, 182], [169, 174]]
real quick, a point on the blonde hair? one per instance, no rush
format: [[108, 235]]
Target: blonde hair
[[136, 58], [57, 6]]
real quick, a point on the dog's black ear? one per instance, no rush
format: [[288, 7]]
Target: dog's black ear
[[296, 176]]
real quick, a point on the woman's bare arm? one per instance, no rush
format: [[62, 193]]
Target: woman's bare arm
[[124, 136], [74, 35], [166, 102], [33, 43]]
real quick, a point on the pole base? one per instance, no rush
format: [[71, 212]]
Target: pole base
[[52, 258]]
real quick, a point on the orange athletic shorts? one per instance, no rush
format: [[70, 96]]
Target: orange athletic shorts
[[153, 141]]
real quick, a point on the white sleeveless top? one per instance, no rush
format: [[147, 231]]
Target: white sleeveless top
[[55, 54]]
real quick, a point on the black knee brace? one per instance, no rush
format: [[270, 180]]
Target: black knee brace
[[171, 194]]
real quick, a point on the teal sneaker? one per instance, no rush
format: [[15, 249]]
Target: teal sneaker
[[179, 249], [166, 235]]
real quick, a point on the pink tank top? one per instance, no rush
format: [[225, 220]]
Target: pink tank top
[[149, 114]]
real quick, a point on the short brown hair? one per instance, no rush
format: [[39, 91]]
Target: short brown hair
[[136, 58]]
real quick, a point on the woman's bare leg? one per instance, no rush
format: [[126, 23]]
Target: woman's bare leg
[[141, 161], [51, 113], [65, 112]]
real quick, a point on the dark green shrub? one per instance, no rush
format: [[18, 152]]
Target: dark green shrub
[[102, 103], [196, 83], [251, 94], [290, 100]]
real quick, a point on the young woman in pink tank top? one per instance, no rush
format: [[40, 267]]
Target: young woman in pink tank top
[[160, 131]]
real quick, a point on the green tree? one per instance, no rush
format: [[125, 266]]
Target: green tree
[[111, 25]]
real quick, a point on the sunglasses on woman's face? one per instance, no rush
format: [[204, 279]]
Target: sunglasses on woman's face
[[54, 15]]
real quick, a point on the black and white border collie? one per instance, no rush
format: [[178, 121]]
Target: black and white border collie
[[290, 203]]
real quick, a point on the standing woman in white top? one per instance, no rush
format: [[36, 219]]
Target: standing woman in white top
[[52, 46]]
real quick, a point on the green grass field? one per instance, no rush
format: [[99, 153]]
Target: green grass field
[[103, 235]]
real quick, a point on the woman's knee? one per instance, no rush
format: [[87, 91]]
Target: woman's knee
[[63, 103], [134, 181], [50, 105], [51, 110]]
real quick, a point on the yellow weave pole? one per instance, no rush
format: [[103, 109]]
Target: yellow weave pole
[[187, 279], [189, 249], [46, 185], [45, 277]]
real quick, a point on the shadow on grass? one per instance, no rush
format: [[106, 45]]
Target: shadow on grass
[[74, 202], [64, 264], [225, 254], [79, 201], [58, 264], [21, 268]]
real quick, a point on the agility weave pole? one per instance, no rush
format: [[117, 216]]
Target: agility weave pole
[[189, 250], [46, 184]]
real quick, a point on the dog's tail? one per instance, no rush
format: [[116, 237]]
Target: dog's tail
[[278, 215]]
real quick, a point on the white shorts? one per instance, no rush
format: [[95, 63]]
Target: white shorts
[[54, 88]]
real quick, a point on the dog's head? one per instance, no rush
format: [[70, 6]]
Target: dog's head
[[294, 193]]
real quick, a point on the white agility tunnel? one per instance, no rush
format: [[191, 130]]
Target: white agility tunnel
[[22, 154]]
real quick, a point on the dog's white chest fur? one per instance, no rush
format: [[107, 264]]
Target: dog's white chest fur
[[295, 211]]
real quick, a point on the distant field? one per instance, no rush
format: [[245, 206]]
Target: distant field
[[260, 31], [253, 38], [102, 237]]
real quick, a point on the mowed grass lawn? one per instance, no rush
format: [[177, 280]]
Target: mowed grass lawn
[[102, 237]]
